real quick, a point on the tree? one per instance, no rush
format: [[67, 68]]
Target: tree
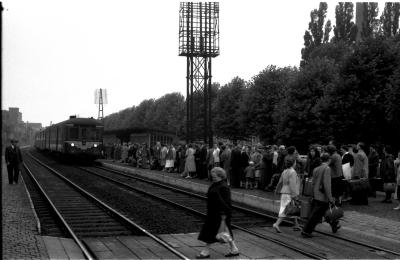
[[300, 116], [226, 109], [363, 103], [345, 29], [390, 19], [265, 91], [315, 34], [370, 25]]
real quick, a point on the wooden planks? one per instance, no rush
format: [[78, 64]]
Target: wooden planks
[[62, 248]]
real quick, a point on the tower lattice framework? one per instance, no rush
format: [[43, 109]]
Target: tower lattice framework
[[199, 42]]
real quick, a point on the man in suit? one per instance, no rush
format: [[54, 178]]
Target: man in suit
[[13, 160], [322, 197]]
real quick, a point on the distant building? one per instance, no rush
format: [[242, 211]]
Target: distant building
[[14, 128]]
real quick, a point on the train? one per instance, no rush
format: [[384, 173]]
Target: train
[[80, 138]]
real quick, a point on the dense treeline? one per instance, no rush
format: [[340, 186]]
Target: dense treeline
[[343, 90]]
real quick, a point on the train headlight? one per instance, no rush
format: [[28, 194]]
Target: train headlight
[[95, 145], [72, 144]]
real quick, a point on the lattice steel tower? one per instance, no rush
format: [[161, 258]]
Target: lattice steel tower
[[100, 97], [199, 42]]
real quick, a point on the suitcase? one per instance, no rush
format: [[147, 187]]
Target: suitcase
[[376, 184], [308, 187], [359, 190], [305, 207]]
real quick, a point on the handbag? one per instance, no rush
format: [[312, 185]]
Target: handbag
[[223, 235], [389, 187], [292, 208], [333, 213]]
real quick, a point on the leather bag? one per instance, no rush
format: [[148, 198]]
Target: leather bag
[[292, 208], [333, 213]]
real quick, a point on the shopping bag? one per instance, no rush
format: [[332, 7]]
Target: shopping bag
[[346, 171], [292, 208], [389, 187], [223, 235], [333, 213], [308, 187]]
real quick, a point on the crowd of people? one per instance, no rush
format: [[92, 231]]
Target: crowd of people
[[260, 167]]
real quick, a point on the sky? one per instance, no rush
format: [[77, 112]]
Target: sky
[[56, 53]]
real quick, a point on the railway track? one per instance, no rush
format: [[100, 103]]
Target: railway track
[[195, 204], [242, 218], [82, 215]]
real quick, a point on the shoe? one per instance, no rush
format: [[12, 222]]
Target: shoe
[[336, 228], [296, 228], [188, 177], [200, 256], [276, 228], [397, 208], [232, 254], [305, 235]]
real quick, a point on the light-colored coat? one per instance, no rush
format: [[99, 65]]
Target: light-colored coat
[[290, 182]]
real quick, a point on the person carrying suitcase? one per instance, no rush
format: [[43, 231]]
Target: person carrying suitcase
[[322, 197]]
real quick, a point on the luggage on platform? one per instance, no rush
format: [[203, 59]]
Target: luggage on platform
[[305, 207], [308, 187], [359, 190], [376, 184]]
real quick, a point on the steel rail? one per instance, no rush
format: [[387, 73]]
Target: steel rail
[[113, 211], [276, 241], [86, 252], [262, 214]]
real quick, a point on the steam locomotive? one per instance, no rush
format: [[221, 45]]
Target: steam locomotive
[[80, 138]]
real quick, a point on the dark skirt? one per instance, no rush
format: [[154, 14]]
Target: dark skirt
[[210, 229]]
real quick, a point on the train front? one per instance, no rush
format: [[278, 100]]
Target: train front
[[85, 139]]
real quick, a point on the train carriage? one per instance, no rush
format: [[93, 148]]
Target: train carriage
[[78, 137]]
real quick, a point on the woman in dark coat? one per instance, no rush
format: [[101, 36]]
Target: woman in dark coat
[[218, 209]]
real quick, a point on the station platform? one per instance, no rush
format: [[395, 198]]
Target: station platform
[[21, 227], [373, 222]]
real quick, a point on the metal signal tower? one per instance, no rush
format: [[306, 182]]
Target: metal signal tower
[[100, 97], [199, 42]]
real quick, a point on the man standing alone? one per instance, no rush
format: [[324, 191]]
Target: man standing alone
[[13, 159]]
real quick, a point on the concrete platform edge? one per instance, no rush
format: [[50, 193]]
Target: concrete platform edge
[[38, 226]]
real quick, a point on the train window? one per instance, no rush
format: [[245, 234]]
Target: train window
[[73, 133]]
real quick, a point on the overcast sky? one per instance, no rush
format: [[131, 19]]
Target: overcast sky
[[56, 53]]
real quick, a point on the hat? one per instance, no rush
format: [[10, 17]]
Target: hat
[[251, 162]]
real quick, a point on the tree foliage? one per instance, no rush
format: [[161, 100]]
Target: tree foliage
[[345, 30], [317, 32], [390, 19]]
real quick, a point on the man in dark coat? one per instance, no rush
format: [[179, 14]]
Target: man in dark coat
[[13, 160], [218, 210], [388, 171]]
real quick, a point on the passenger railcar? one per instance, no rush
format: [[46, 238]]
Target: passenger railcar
[[77, 137]]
